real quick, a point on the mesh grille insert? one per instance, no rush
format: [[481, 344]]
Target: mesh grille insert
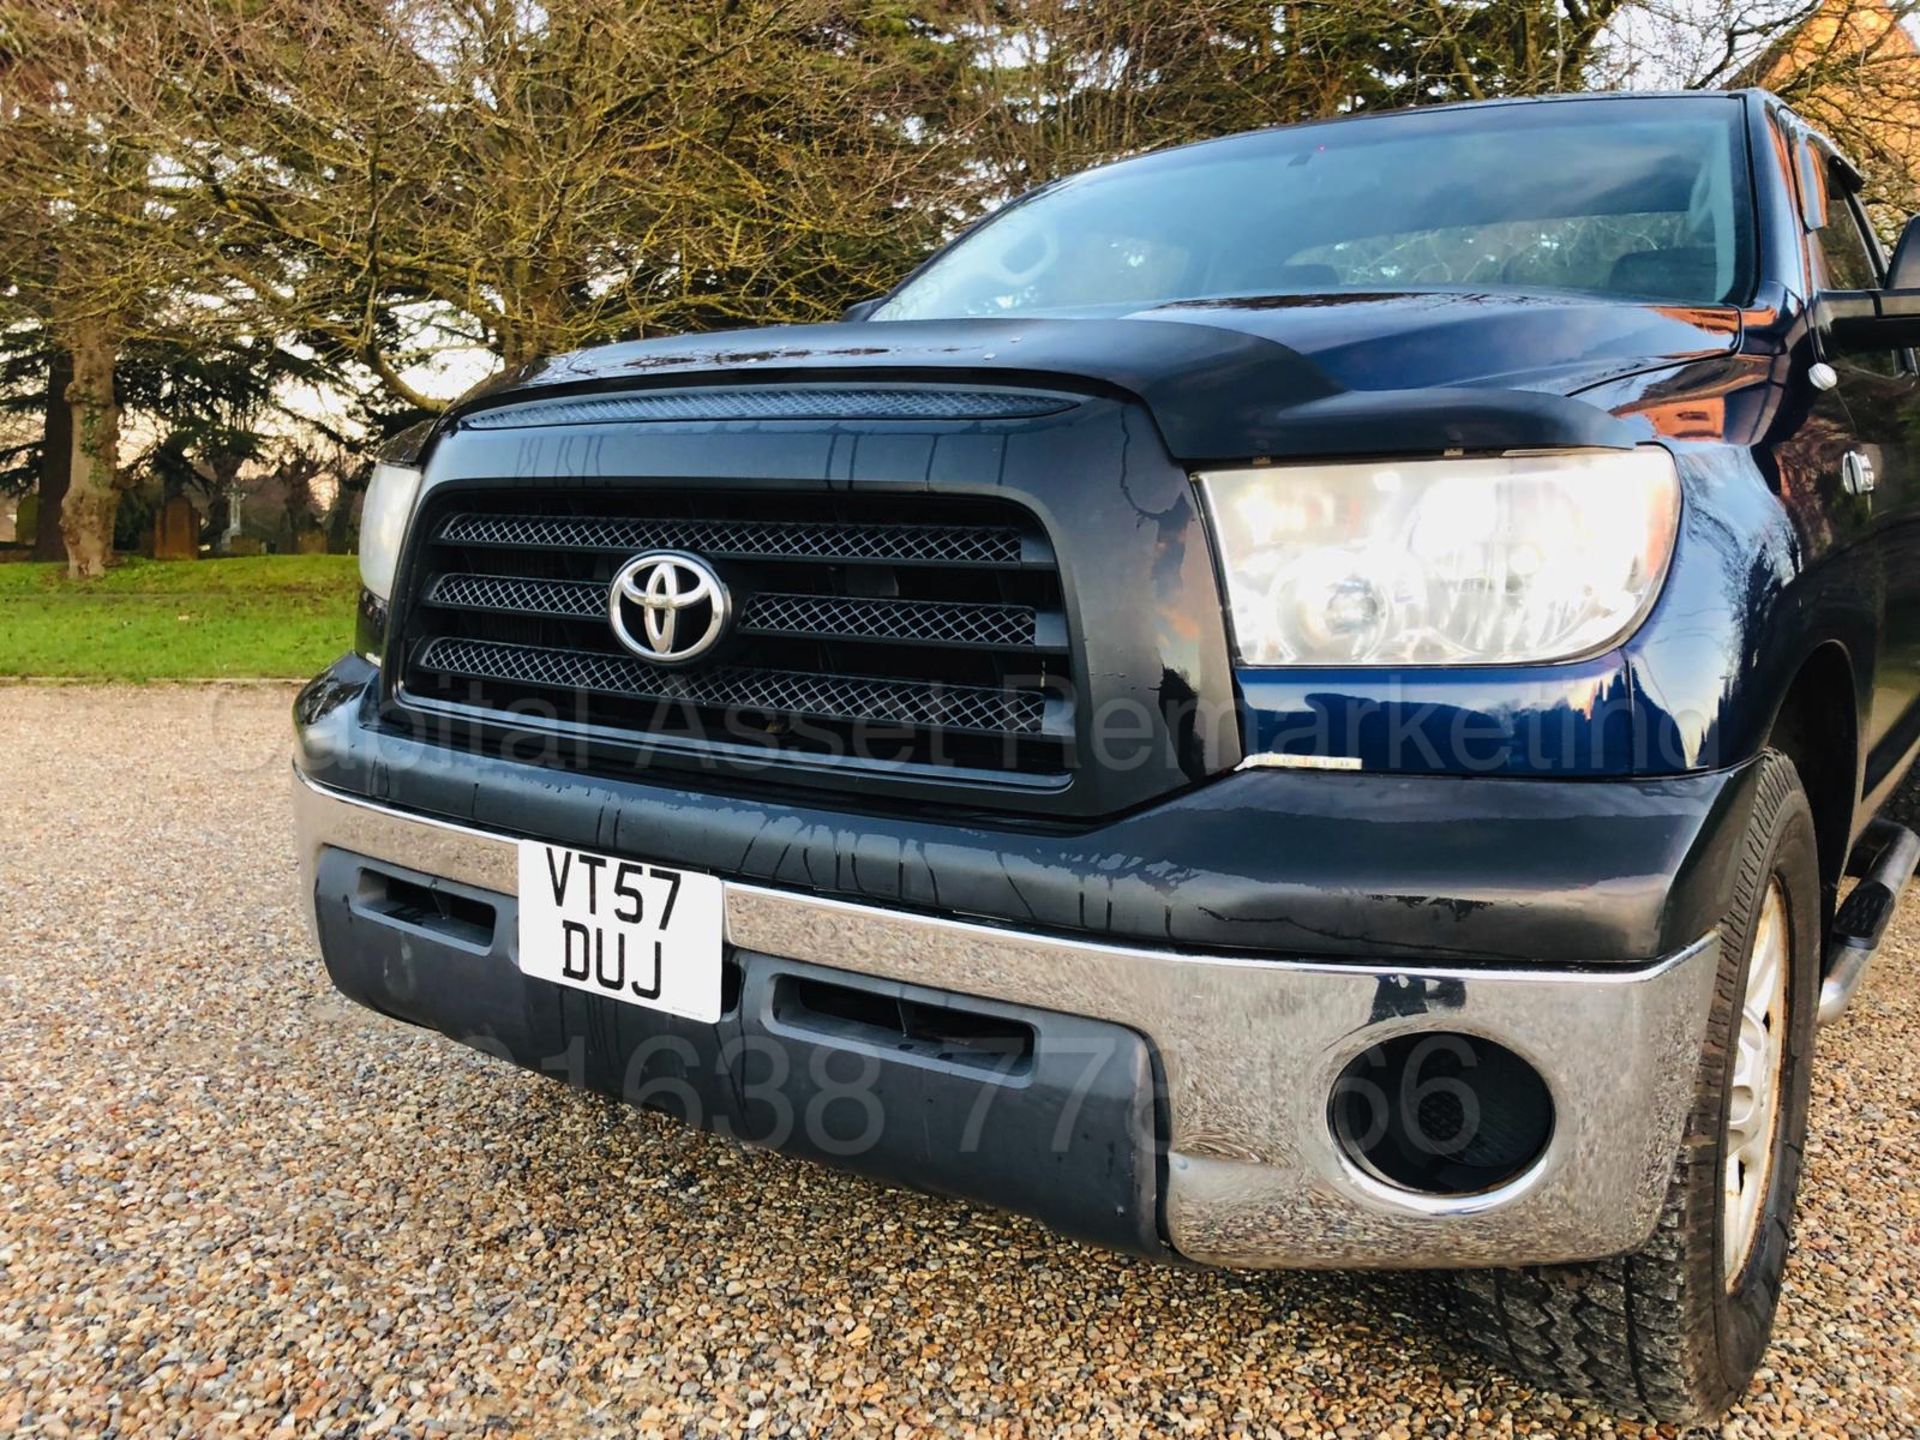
[[861, 403], [887, 628], [834, 697], [924, 621], [581, 599], [773, 540]]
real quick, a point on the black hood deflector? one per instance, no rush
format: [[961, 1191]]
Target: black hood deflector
[[1218, 391]]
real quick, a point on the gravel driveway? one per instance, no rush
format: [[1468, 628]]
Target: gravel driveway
[[231, 1203]]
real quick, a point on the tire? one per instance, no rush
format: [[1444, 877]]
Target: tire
[[1663, 1332]]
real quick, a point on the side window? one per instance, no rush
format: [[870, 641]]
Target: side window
[[1841, 260], [1842, 254]]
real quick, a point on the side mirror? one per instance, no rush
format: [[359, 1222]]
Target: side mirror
[[1869, 319], [861, 309], [1886, 319]]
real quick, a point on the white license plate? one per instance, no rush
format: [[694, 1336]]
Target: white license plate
[[626, 929]]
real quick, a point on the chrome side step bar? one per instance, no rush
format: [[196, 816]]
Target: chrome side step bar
[[1864, 915]]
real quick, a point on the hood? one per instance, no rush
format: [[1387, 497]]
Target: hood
[[1287, 376]]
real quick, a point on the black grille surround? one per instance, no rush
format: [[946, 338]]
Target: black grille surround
[[900, 631]]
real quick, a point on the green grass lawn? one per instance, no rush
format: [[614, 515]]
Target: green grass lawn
[[275, 616]]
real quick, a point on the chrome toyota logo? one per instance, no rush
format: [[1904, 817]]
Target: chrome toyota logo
[[680, 604]]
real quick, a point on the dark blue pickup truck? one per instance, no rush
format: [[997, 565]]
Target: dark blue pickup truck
[[1316, 699]]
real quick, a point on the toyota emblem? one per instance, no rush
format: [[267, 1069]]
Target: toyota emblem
[[681, 606]]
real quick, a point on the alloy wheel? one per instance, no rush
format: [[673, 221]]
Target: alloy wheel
[[1753, 1106]]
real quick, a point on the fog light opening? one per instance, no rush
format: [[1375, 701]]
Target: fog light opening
[[1441, 1113]]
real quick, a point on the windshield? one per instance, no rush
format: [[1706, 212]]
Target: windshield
[[1646, 199]]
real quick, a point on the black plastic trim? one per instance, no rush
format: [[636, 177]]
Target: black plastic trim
[[1064, 1131]]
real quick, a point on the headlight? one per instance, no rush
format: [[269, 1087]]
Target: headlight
[[383, 524], [1509, 560]]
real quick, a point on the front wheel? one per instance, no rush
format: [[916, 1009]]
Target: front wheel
[[1676, 1329]]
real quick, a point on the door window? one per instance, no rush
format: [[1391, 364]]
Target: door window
[[1843, 253], [1841, 258]]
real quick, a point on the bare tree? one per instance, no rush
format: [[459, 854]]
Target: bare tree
[[1852, 67], [71, 165], [1067, 83], [393, 172]]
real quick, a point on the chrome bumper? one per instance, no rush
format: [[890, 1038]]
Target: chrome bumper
[[1249, 1050]]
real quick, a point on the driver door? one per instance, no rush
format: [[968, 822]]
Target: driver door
[[1880, 481]]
